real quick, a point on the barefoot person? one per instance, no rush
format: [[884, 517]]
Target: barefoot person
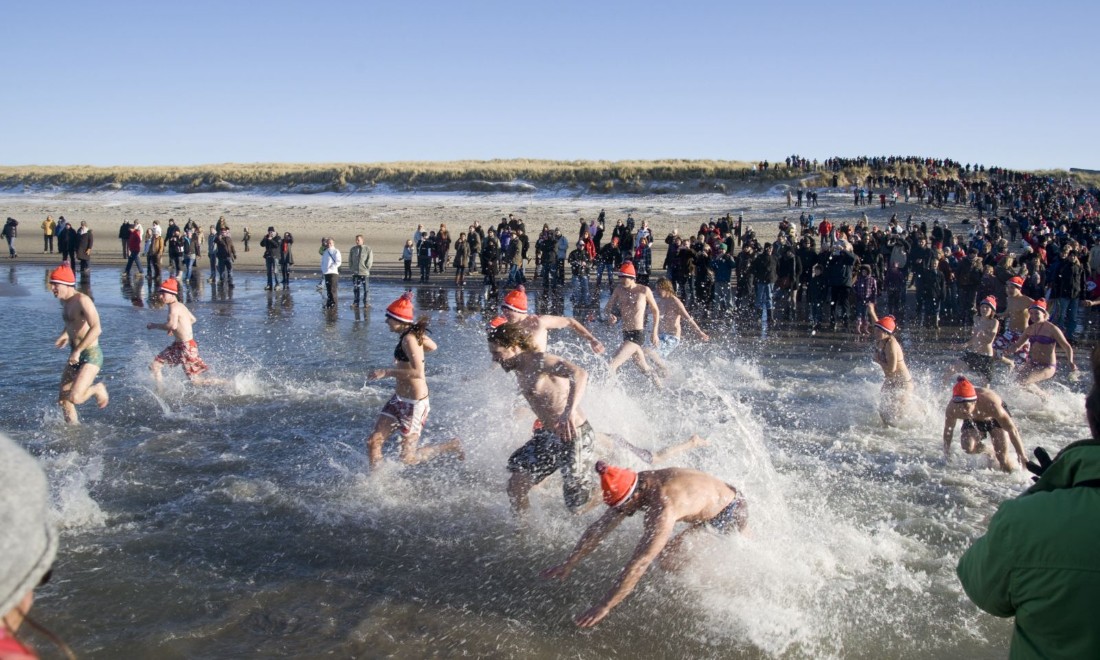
[[983, 410], [897, 384], [667, 497], [81, 335], [1044, 337], [407, 410], [184, 350], [632, 300], [537, 327], [978, 357], [553, 387], [1015, 321]]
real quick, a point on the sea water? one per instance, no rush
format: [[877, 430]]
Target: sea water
[[242, 521]]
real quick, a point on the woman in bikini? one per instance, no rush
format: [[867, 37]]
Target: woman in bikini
[[408, 408], [1044, 337]]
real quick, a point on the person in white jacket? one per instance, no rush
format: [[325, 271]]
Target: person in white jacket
[[330, 269]]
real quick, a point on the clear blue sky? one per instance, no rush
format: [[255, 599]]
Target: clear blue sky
[[152, 83]]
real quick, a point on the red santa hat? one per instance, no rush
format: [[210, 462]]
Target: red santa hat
[[401, 309], [887, 324], [516, 300], [170, 285], [964, 391], [618, 483], [63, 274]]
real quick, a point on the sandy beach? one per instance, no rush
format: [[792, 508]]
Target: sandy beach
[[387, 221]]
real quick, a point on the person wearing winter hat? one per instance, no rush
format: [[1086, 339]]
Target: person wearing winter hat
[[982, 410], [977, 356], [407, 410], [184, 350], [1015, 318], [81, 335], [667, 497], [28, 547], [632, 300], [553, 387], [537, 326], [897, 384], [1042, 361]]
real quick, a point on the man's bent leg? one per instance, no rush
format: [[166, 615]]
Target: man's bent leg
[[83, 388]]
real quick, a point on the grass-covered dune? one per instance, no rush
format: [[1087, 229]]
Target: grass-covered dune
[[516, 175]]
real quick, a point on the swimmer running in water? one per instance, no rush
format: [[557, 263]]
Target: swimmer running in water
[[1015, 319], [897, 384], [185, 350], [81, 335], [1042, 361], [632, 300], [978, 355], [667, 497], [408, 408], [537, 326], [672, 312], [983, 410]]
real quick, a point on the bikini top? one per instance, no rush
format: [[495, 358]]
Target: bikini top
[[1042, 339], [399, 353]]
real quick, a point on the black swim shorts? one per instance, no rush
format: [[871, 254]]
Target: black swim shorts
[[634, 336], [731, 518], [545, 453]]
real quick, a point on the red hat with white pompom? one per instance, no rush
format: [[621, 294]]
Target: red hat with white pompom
[[516, 300], [964, 391], [401, 309]]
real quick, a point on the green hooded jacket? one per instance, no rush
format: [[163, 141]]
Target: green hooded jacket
[[1040, 560]]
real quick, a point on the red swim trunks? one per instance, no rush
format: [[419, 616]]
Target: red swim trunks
[[185, 353]]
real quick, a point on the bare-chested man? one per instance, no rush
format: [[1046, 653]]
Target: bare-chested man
[[553, 387], [1015, 321], [632, 300], [1044, 336], [514, 309], [81, 335], [897, 383], [982, 411], [978, 355], [667, 496], [185, 350]]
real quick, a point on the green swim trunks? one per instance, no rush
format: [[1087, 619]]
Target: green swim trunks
[[90, 355]]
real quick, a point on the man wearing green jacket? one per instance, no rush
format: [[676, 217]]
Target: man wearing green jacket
[[1040, 558]]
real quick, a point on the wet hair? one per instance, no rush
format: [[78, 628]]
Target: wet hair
[[510, 335], [664, 284], [418, 329]]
